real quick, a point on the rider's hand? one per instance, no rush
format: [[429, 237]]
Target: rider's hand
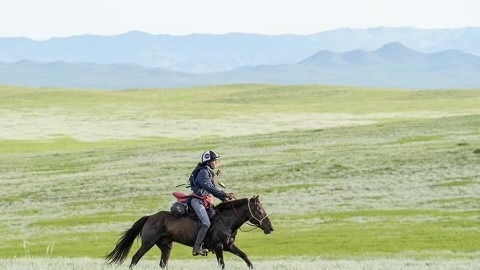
[[230, 196]]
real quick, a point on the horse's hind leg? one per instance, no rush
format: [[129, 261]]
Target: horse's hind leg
[[166, 248], [141, 251]]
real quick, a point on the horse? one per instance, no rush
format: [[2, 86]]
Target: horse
[[163, 228]]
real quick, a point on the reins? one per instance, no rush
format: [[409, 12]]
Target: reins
[[249, 224]]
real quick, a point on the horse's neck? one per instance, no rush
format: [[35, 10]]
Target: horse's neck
[[235, 217]]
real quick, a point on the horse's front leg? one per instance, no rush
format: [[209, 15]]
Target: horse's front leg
[[235, 250], [219, 254]]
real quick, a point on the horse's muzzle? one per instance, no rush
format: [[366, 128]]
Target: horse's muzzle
[[268, 228]]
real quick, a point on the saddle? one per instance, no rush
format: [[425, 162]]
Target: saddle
[[181, 207]]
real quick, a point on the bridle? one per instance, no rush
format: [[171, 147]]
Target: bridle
[[251, 214], [254, 217]]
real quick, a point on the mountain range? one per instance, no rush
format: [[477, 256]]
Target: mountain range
[[383, 57]]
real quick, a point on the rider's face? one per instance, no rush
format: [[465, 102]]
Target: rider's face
[[213, 164]]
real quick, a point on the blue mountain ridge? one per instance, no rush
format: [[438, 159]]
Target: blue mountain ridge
[[202, 53], [392, 65]]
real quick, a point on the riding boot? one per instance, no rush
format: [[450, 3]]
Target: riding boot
[[197, 247]]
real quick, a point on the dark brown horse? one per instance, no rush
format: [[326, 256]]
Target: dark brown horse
[[163, 228]]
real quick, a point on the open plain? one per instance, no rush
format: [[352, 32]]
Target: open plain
[[353, 178]]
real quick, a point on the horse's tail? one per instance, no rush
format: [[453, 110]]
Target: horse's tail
[[120, 252]]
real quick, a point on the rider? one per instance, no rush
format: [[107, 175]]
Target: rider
[[203, 185]]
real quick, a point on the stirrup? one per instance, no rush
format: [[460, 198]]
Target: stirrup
[[200, 251]]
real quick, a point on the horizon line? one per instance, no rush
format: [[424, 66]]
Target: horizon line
[[231, 33]]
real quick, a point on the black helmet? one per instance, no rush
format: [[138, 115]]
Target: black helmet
[[208, 156]]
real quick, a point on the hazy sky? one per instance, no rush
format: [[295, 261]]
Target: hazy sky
[[42, 19]]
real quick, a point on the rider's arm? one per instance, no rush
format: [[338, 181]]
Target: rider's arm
[[203, 181]]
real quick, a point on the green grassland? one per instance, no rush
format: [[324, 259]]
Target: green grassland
[[344, 172]]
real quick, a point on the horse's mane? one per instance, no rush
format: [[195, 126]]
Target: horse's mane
[[231, 204]]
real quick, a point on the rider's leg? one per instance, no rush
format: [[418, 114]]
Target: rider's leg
[[201, 212]]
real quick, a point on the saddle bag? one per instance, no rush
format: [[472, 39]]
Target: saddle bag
[[179, 209]]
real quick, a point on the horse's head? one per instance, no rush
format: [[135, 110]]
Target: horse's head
[[258, 216]]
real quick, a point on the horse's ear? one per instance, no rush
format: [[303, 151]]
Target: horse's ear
[[256, 198]]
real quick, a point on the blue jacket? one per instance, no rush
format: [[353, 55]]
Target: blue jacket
[[204, 184]]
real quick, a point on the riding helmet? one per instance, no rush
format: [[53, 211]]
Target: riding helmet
[[208, 156]]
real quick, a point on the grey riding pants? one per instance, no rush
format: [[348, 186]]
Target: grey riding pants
[[200, 210]]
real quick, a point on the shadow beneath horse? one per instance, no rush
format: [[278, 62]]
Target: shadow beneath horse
[[162, 229]]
